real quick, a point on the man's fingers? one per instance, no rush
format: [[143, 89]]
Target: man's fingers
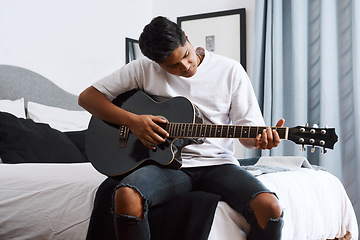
[[158, 129], [280, 123]]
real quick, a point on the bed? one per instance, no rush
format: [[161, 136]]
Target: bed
[[48, 192]]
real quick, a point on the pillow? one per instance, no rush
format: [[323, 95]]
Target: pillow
[[78, 138], [15, 107], [58, 118], [24, 141]]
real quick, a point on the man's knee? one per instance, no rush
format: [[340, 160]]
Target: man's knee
[[128, 201], [265, 207]]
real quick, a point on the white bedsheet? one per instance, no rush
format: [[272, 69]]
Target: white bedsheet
[[54, 201], [46, 201]]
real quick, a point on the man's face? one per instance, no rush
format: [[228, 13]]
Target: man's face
[[182, 61]]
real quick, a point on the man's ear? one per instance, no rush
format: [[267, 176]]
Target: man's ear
[[187, 38]]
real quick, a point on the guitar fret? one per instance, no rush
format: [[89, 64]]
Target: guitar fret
[[224, 133], [253, 131], [229, 134], [178, 130], [242, 132], [174, 129], [204, 133], [212, 131], [186, 130]]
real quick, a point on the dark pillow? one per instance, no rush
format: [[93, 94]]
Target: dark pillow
[[78, 138], [24, 141]]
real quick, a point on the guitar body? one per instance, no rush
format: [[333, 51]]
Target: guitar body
[[113, 156]]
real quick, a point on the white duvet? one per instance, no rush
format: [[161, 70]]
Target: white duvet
[[54, 201]]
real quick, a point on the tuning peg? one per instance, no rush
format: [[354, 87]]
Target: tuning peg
[[315, 126], [303, 149], [313, 149], [326, 126], [306, 124], [324, 151]]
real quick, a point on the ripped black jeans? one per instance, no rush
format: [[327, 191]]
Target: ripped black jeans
[[158, 185]]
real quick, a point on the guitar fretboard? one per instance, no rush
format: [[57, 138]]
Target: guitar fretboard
[[194, 130]]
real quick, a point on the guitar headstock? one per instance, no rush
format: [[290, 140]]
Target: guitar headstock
[[313, 136]]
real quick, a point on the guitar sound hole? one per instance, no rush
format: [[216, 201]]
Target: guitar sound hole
[[164, 145], [161, 146]]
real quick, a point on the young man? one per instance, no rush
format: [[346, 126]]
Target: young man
[[222, 91]]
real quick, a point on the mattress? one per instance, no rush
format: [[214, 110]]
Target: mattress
[[55, 201]]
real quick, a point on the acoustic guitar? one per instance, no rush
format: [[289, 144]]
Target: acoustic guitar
[[114, 151]]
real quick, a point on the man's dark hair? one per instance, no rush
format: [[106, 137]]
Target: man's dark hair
[[160, 38]]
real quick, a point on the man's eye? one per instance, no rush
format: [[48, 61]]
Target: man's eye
[[173, 66]]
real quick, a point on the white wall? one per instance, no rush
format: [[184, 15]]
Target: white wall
[[71, 42]]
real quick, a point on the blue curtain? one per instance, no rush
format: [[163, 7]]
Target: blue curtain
[[306, 69]]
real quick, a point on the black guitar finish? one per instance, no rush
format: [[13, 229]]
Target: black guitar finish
[[114, 151]]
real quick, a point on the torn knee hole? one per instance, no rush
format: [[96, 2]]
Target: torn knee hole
[[129, 201]]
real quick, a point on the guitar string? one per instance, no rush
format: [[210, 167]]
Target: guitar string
[[210, 130]]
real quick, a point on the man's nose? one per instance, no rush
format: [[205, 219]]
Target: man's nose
[[185, 65]]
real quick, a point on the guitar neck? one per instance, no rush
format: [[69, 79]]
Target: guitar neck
[[194, 130]]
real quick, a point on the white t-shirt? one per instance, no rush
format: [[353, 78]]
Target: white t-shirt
[[221, 90]]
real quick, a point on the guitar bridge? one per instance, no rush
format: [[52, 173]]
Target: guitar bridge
[[123, 136]]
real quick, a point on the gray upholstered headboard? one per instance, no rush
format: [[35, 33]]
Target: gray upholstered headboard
[[17, 82]]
